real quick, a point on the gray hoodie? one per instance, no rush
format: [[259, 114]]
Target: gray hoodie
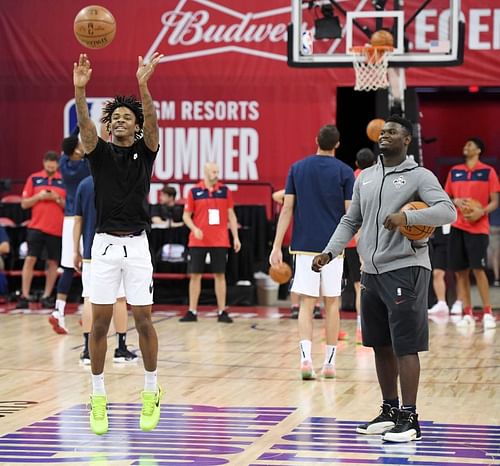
[[380, 191]]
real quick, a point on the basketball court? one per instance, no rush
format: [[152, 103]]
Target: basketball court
[[233, 395]]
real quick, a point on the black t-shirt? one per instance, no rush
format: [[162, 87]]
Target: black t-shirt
[[122, 176], [165, 212]]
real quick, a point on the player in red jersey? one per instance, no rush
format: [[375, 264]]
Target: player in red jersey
[[469, 234], [45, 195], [208, 211]]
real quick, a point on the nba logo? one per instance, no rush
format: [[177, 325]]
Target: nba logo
[[307, 43], [94, 104]]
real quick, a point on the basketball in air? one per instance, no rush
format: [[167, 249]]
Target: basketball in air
[[416, 232], [373, 129], [382, 38], [280, 273], [94, 27]]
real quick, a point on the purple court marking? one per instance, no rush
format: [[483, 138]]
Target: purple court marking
[[208, 435], [328, 440], [187, 434]]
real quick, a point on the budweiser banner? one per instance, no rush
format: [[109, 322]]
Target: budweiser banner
[[223, 91]]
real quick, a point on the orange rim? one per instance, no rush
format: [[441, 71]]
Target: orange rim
[[373, 54], [366, 49]]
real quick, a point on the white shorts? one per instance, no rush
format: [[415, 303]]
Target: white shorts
[[67, 242], [86, 268], [328, 282], [121, 258]]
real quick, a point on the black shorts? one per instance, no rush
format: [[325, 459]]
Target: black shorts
[[438, 252], [38, 242], [394, 310], [197, 260], [467, 250], [352, 265]]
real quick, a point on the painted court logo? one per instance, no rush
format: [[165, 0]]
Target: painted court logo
[[197, 28]]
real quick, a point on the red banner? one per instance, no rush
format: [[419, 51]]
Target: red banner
[[223, 90]]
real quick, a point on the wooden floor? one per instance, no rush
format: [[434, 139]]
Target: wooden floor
[[233, 395]]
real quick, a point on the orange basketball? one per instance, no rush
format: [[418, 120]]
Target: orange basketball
[[373, 129], [416, 232], [94, 27], [382, 37], [280, 273], [470, 204]]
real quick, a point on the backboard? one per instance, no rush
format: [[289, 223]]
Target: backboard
[[426, 32]]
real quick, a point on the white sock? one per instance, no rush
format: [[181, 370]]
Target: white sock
[[60, 305], [358, 321], [194, 311], [330, 354], [150, 381], [305, 350], [458, 303], [98, 384], [442, 303]]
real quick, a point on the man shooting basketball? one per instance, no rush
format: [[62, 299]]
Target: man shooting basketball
[[396, 273], [122, 176]]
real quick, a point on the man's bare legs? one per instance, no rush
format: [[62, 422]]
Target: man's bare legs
[[386, 365], [220, 290], [464, 288], [332, 325], [50, 278], [27, 275], [98, 341], [148, 339]]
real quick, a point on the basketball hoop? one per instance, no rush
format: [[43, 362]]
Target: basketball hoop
[[370, 65]]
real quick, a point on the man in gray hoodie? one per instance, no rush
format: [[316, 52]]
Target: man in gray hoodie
[[396, 272]]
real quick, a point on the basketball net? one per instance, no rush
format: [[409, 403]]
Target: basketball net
[[370, 65]]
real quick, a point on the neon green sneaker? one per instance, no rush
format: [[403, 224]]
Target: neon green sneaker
[[150, 414], [98, 414]]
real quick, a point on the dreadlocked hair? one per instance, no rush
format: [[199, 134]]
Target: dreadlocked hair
[[128, 101]]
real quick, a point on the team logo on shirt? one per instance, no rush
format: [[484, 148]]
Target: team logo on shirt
[[399, 182], [135, 156]]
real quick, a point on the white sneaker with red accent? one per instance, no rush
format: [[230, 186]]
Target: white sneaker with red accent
[[307, 371], [466, 321], [456, 308], [489, 321], [440, 306], [328, 371], [58, 324]]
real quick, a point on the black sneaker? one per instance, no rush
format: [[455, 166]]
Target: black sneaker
[[47, 302], [406, 429], [85, 357], [224, 317], [317, 312], [189, 316], [294, 312], [385, 421], [124, 355], [22, 303]]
